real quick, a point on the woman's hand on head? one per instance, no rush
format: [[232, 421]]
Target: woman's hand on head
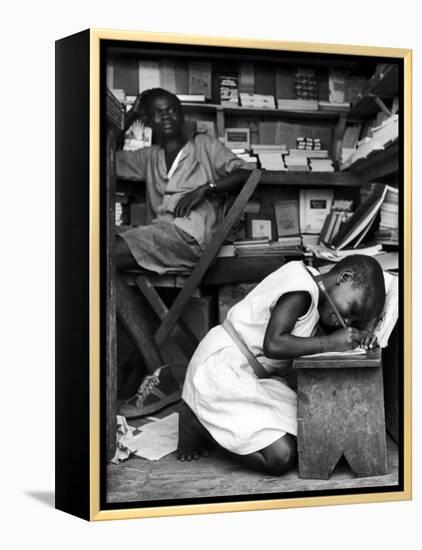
[[189, 201]]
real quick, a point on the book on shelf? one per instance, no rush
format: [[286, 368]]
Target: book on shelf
[[148, 75], [286, 213], [284, 83], [192, 98], [168, 75], [182, 77], [237, 138], [229, 90], [320, 154], [305, 83], [334, 107], [264, 79], [200, 74], [296, 163], [353, 231], [246, 77], [271, 160], [333, 223], [297, 104], [382, 136], [320, 164], [314, 205], [257, 101], [324, 252], [226, 251], [337, 86]]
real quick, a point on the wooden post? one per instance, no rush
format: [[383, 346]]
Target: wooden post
[[111, 338]]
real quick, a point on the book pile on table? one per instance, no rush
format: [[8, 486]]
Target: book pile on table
[[257, 101]]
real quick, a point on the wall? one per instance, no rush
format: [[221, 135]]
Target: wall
[[29, 30]]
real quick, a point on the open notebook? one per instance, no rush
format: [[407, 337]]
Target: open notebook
[[386, 321]]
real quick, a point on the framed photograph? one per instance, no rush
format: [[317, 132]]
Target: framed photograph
[[161, 410], [260, 226]]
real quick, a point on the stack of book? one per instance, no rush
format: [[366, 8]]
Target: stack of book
[[333, 223], [382, 136], [320, 164], [114, 109], [270, 156], [388, 232], [337, 107], [247, 156], [296, 160], [257, 101], [353, 231], [264, 247]]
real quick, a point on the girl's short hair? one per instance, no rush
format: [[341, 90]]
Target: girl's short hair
[[368, 275]]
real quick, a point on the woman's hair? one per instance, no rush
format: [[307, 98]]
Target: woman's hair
[[147, 97], [368, 275]]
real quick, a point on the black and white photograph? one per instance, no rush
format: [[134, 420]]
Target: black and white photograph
[[252, 230]]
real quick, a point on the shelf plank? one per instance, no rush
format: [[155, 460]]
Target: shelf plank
[[282, 113], [310, 179]]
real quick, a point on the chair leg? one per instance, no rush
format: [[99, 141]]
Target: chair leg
[[181, 333], [170, 320]]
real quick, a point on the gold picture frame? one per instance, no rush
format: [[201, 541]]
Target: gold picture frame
[[83, 349]]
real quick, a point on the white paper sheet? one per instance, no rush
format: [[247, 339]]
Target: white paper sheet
[[151, 441]]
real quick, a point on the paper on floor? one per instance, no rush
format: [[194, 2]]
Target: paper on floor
[[151, 441]]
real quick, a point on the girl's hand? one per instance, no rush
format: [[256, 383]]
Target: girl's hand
[[344, 339], [368, 340], [189, 201]]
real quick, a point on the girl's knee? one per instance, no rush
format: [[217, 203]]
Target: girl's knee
[[282, 455]]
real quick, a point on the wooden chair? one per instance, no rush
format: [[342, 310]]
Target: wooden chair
[[171, 323]]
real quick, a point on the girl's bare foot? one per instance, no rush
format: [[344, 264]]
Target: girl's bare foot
[[194, 440]]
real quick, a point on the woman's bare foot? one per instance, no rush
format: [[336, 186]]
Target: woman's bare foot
[[194, 440]]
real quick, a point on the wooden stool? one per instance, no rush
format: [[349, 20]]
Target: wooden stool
[[341, 412]]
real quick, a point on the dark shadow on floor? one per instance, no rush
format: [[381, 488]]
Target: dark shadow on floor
[[45, 497]]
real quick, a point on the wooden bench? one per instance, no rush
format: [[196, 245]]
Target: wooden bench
[[341, 412]]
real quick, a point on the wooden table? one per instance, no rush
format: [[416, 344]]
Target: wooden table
[[341, 412]]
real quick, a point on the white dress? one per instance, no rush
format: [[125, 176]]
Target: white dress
[[242, 412]]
